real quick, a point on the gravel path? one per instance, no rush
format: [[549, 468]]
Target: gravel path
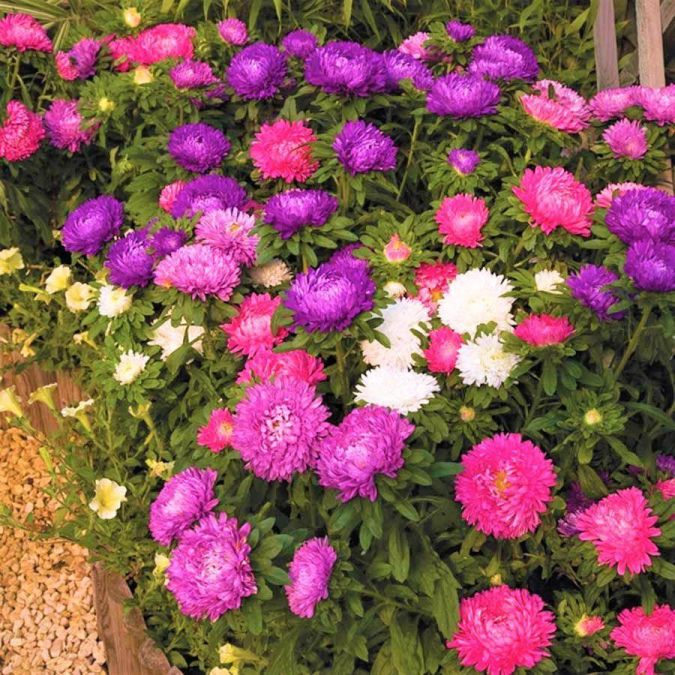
[[47, 619]]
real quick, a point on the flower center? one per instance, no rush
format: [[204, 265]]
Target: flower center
[[501, 482]]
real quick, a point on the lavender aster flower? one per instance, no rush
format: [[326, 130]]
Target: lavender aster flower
[[361, 147], [231, 231], [503, 57], [290, 211], [166, 240], [651, 266], [91, 224], [461, 96], [233, 31], [647, 213], [310, 572], [346, 68], [588, 286], [210, 572], [331, 296], [300, 43], [207, 193], [400, 66], [65, 126], [614, 102], [128, 260], [257, 72], [198, 147], [192, 75], [463, 161], [80, 62], [184, 499], [458, 31], [626, 138], [665, 463]]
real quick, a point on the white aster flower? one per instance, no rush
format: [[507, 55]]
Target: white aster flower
[[58, 279], [113, 301], [10, 260], [484, 361], [476, 297], [548, 280], [170, 338], [394, 289], [79, 297], [108, 499], [400, 319], [130, 366], [271, 274], [401, 390]]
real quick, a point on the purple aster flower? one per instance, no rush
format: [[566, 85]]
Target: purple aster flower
[[198, 147], [80, 62], [183, 500], [128, 260], [166, 240], [504, 57], [64, 125], [290, 211], [300, 43], [400, 66], [577, 503], [665, 463], [230, 231], [257, 72], [199, 270], [463, 161], [458, 31], [91, 224], [233, 31], [369, 441], [207, 193], [651, 266], [347, 69], [210, 572], [329, 297], [192, 75], [463, 95], [642, 214], [589, 287], [310, 572], [277, 427], [626, 138], [614, 102], [361, 147]]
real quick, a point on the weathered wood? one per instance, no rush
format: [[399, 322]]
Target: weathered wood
[[667, 14], [604, 39], [650, 43]]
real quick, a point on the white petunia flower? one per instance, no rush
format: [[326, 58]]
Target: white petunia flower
[[58, 279], [74, 411], [170, 338], [476, 297], [108, 499], [113, 301], [10, 260], [548, 280], [271, 274], [402, 390], [484, 361], [79, 297], [130, 366]]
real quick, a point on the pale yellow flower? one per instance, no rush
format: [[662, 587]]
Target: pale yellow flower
[[159, 469], [108, 499], [142, 75], [45, 395], [79, 297], [230, 654], [105, 104], [10, 403], [58, 279], [161, 564], [10, 261], [132, 17]]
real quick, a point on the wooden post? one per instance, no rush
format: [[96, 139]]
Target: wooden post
[[604, 38], [650, 43]]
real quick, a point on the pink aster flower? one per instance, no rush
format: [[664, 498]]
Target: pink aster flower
[[310, 572], [552, 197], [20, 133], [231, 231], [505, 486], [233, 31], [604, 198], [564, 110], [621, 528], [283, 149], [24, 33], [667, 488], [65, 126], [610, 103], [265, 365], [626, 139], [396, 250], [251, 329], [649, 637], [168, 195], [161, 42], [216, 434], [588, 625], [79, 63], [541, 330], [460, 219], [658, 103], [502, 629], [432, 281], [441, 354], [414, 46]]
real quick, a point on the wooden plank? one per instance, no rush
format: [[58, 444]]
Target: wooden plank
[[604, 39], [667, 14], [650, 43]]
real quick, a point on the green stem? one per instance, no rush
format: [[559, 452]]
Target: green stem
[[344, 192], [153, 432], [413, 139], [632, 345], [15, 74], [535, 403], [342, 371]]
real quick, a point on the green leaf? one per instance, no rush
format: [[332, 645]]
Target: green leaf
[[664, 569], [445, 604], [624, 453], [399, 553], [549, 377], [591, 483], [443, 469], [406, 650]]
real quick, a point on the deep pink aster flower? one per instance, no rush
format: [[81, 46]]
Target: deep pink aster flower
[[541, 330], [310, 572], [210, 572], [432, 280], [604, 198], [65, 126], [460, 219], [588, 625], [283, 149], [441, 354], [505, 486], [251, 329], [24, 33], [658, 103], [265, 365], [231, 231], [621, 528], [553, 197], [502, 629], [277, 427], [216, 434], [79, 63], [183, 500], [20, 133], [626, 139], [557, 106], [163, 41], [667, 488], [168, 195], [233, 31], [649, 637]]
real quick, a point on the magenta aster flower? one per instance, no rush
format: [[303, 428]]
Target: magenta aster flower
[[557, 106], [168, 195], [463, 95], [361, 147], [432, 280], [658, 103], [626, 139], [257, 71], [460, 220], [542, 330], [79, 63], [24, 33], [65, 126], [290, 211], [651, 266], [207, 193], [400, 66], [589, 287], [265, 365], [463, 161], [128, 260], [210, 572], [233, 31], [153, 45], [299, 43], [192, 75], [91, 224], [458, 31], [20, 133], [216, 434], [504, 57], [441, 354], [610, 103], [642, 214], [198, 147], [278, 426], [231, 231], [310, 572], [183, 500]]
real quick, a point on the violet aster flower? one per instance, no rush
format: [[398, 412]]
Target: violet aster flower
[[65, 126], [361, 147], [458, 31], [646, 213], [651, 266], [665, 463], [210, 572], [198, 147], [577, 502], [277, 427], [79, 63], [300, 43], [183, 500], [369, 441], [91, 224], [346, 69], [231, 231], [329, 297], [613, 102], [504, 57], [626, 138], [463, 161], [128, 260], [462, 95], [207, 193], [192, 75], [400, 66], [310, 572], [290, 211], [257, 72], [166, 240], [233, 31], [589, 287]]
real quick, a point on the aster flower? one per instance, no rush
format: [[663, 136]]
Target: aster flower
[[577, 502], [402, 390], [396, 251], [271, 274], [552, 197], [290, 211], [557, 106], [310, 572], [216, 434], [64, 125], [542, 330], [257, 71], [665, 463], [613, 102], [183, 500], [361, 147], [589, 287], [130, 366], [432, 281], [400, 66], [198, 147], [168, 194], [627, 139], [283, 149], [264, 365], [199, 270], [153, 45], [299, 43], [441, 354], [346, 69], [79, 63], [666, 488], [548, 281], [651, 266], [210, 572], [20, 133], [192, 75], [502, 629], [91, 224], [171, 338], [484, 361], [642, 214], [460, 220], [413, 46], [277, 428], [504, 57], [231, 231], [605, 197], [463, 95], [658, 103], [24, 33], [207, 193], [166, 240], [588, 625], [458, 31], [233, 31], [128, 260], [463, 161]]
